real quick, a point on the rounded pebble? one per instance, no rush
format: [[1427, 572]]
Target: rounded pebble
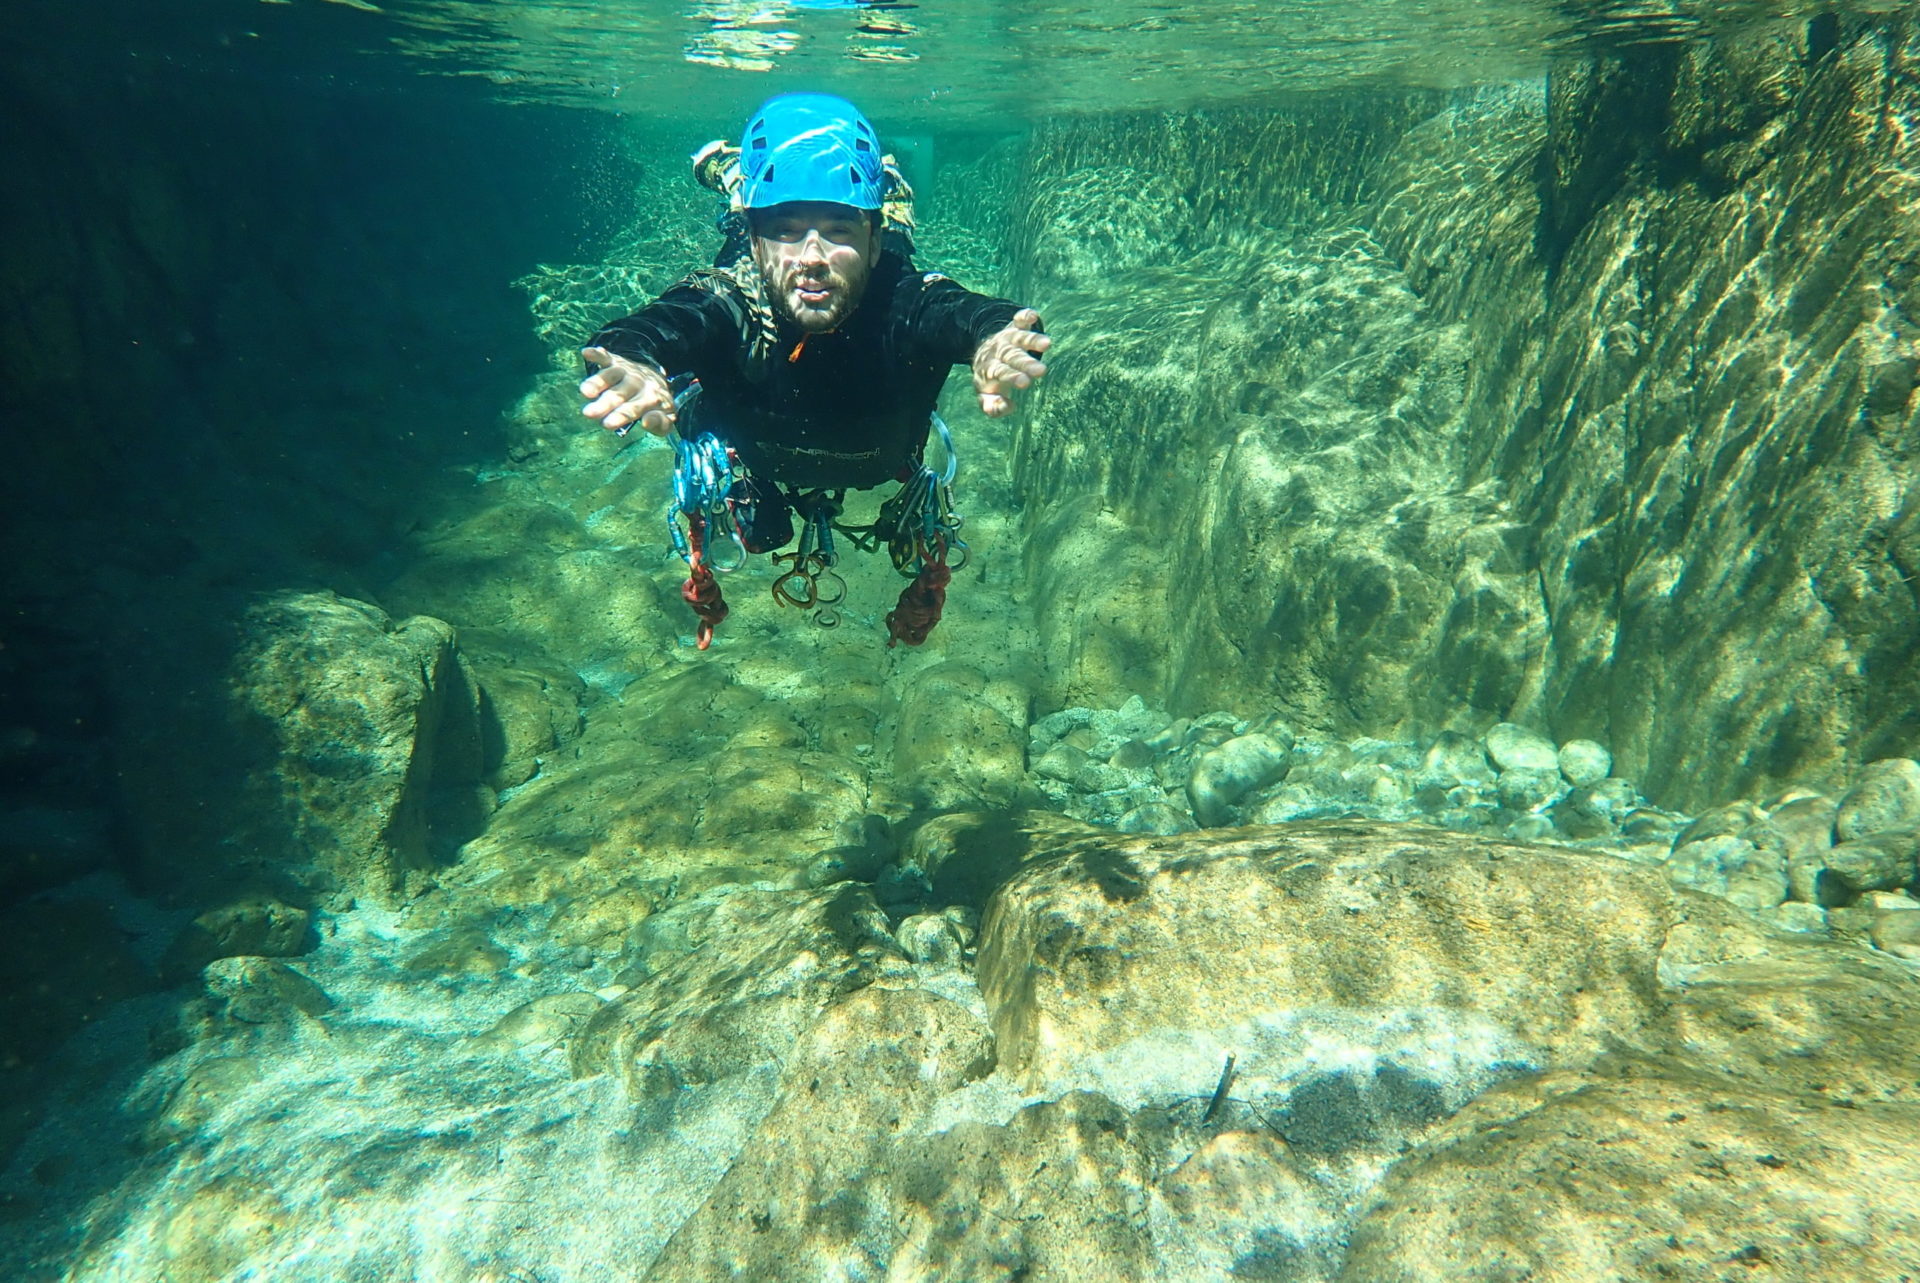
[[1584, 762], [1224, 775], [1158, 818], [1455, 757], [1530, 789], [1515, 748], [1061, 762], [931, 939], [1883, 862], [1885, 797], [1054, 725], [1796, 915], [1530, 828], [1898, 934]]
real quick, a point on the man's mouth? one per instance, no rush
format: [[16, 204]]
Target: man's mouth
[[812, 292]]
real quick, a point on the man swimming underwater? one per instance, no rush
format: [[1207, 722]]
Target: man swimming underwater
[[817, 351]]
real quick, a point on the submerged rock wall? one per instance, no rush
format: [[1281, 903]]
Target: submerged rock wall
[[1590, 408]]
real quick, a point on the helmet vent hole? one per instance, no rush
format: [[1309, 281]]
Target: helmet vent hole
[[766, 175], [861, 144]]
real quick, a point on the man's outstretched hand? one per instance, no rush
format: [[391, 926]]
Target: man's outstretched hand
[[623, 392], [1009, 360]]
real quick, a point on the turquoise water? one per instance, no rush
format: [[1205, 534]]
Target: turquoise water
[[1416, 781], [919, 66]]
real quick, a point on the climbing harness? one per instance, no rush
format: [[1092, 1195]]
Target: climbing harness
[[918, 525]]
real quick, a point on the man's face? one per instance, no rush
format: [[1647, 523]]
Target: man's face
[[815, 258]]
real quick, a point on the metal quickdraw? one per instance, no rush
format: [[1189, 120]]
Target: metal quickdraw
[[807, 579], [923, 530], [703, 477], [919, 522]]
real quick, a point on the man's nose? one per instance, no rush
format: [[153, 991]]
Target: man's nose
[[813, 246]]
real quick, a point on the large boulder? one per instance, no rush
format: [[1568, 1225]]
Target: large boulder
[[1591, 1177], [365, 744], [1548, 953], [1198, 1055]]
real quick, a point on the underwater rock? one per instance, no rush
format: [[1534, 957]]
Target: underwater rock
[[1662, 1177], [1156, 817], [1524, 788], [1132, 720], [1584, 762], [821, 1180], [1454, 758], [200, 1095], [1797, 915], [959, 740], [1055, 725], [1061, 762], [542, 1024], [857, 863], [465, 950], [363, 727], [1881, 862], [1886, 796], [966, 856], [254, 927], [1801, 830], [525, 715], [1531, 828], [224, 1224], [1228, 772], [1730, 820], [1515, 748], [1898, 934], [753, 970], [257, 991], [1584, 814], [931, 939], [1733, 867], [847, 729], [1118, 937]]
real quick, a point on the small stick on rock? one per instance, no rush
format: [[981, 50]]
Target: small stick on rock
[[1220, 1092]]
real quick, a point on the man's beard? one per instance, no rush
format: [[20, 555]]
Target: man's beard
[[816, 317]]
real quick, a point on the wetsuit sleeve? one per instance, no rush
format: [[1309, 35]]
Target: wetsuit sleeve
[[682, 331], [945, 322]]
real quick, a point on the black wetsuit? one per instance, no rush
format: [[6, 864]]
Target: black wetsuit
[[850, 408]]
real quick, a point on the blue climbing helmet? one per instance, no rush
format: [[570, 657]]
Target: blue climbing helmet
[[811, 146]]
